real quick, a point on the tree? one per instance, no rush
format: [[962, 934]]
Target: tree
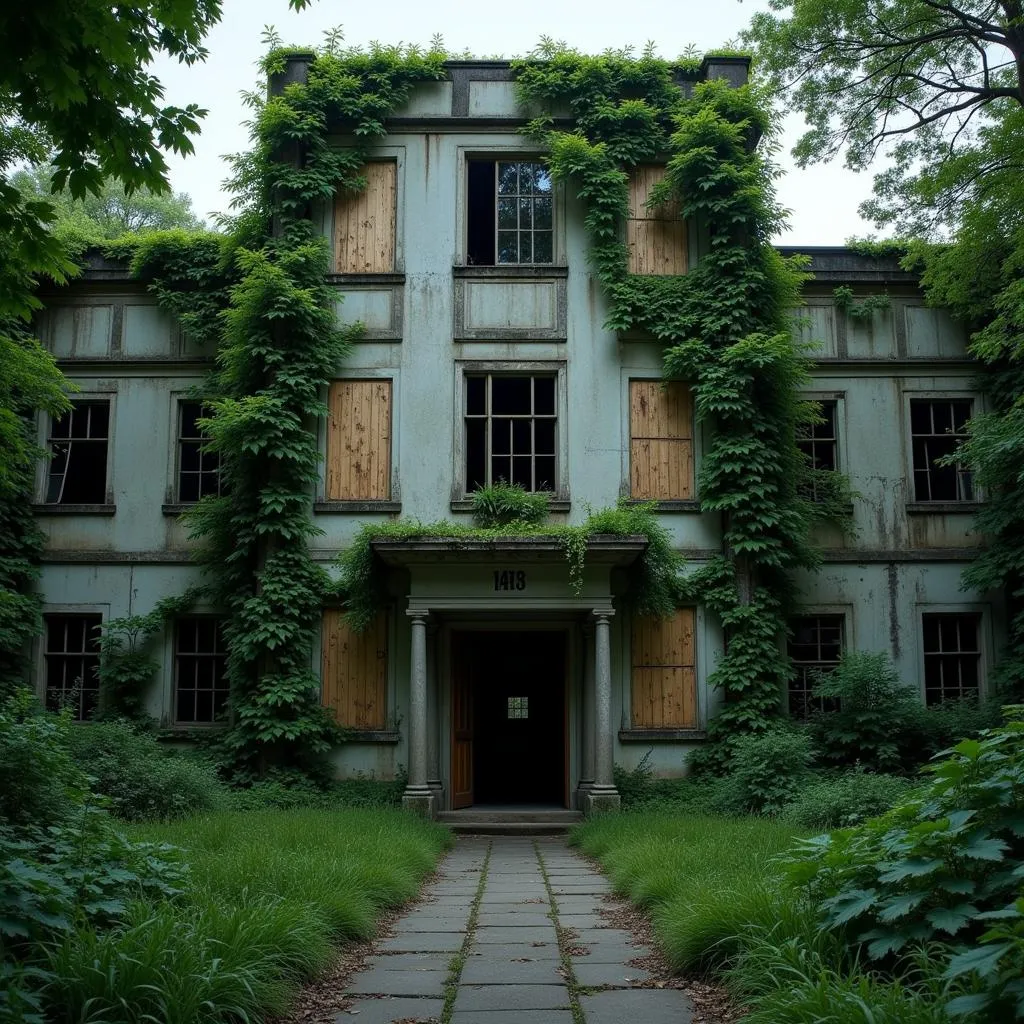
[[937, 86], [111, 211]]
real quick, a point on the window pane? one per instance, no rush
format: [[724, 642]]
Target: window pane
[[542, 247], [542, 213], [525, 214], [189, 413], [501, 469], [544, 437], [542, 179], [61, 427], [525, 247], [522, 471], [476, 454], [942, 417], [80, 421], [920, 417], [508, 179], [961, 414], [190, 460], [476, 395], [510, 396], [545, 468], [506, 213], [544, 396], [508, 249], [522, 437], [501, 437]]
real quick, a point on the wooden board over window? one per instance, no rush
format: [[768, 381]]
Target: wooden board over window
[[355, 671], [660, 440], [664, 680], [364, 224], [359, 440], [657, 237]]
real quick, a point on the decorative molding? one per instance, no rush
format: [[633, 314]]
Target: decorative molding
[[74, 510]]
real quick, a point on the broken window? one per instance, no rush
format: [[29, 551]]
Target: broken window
[[510, 215], [200, 670], [510, 431], [818, 443], [952, 657], [198, 471], [72, 661], [78, 442], [937, 428], [814, 646]]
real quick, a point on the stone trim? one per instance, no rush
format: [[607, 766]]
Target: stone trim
[[354, 507], [660, 735], [74, 510], [935, 508]]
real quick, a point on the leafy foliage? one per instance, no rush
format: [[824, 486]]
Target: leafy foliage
[[724, 326], [942, 866], [835, 801], [502, 504], [766, 772]]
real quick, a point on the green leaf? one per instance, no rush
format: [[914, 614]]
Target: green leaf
[[951, 920], [964, 1005], [981, 961]]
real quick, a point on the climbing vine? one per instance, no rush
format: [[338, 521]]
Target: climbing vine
[[725, 327]]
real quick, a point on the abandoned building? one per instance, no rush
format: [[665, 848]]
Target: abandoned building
[[485, 358]]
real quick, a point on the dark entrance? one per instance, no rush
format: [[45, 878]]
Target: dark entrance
[[508, 718]]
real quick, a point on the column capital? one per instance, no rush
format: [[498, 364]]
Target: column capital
[[602, 614], [418, 614]]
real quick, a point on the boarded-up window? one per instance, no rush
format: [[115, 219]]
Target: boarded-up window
[[359, 440], [355, 671], [664, 682], [660, 440], [364, 224], [656, 236]]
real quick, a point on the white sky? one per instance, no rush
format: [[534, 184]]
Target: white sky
[[823, 200]]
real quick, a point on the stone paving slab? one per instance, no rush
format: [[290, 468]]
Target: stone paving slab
[[400, 983], [512, 997], [514, 897], [409, 961], [521, 919], [652, 1006], [517, 951], [585, 936], [610, 953], [618, 975], [504, 934], [424, 942], [490, 971], [388, 1011], [513, 1017], [431, 923], [583, 921]]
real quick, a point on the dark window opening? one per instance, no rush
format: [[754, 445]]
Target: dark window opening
[[814, 646], [200, 671], [198, 471], [78, 444], [937, 429], [818, 443], [72, 661], [509, 213], [519, 707], [510, 432], [952, 657]]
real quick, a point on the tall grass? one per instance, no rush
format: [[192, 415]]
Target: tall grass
[[270, 893]]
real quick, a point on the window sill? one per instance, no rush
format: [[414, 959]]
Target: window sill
[[555, 505], [935, 508], [660, 735], [74, 510], [372, 736], [673, 505], [352, 507], [393, 278], [513, 270]]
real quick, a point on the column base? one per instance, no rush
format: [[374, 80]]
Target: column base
[[600, 799], [420, 801], [580, 796]]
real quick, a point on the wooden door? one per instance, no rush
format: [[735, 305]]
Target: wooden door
[[462, 722]]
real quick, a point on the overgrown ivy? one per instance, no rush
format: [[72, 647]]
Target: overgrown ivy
[[725, 327]]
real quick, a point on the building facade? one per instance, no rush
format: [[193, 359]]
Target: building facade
[[485, 358]]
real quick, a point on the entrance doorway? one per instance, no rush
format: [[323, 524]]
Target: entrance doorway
[[508, 718]]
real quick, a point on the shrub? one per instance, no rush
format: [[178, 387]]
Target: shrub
[[931, 730], [832, 801], [875, 709], [502, 504], [361, 791], [940, 867], [143, 780], [766, 772], [39, 782]]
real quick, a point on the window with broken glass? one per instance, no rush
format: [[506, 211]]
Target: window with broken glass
[[510, 424], [952, 657], [819, 444], [72, 659], [200, 670], [814, 646], [937, 427], [198, 471], [78, 443], [510, 217]]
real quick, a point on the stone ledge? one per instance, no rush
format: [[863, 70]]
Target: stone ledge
[[944, 508], [351, 507], [74, 510], [660, 735], [668, 505], [373, 736], [555, 505]]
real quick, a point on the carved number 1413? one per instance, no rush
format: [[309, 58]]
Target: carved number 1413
[[509, 579]]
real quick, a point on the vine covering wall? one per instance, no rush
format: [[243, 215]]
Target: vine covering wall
[[259, 295]]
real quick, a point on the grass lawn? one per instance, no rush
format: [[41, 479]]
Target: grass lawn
[[270, 895]]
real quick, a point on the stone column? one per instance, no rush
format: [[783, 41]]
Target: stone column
[[587, 752], [603, 795], [417, 796], [433, 715]]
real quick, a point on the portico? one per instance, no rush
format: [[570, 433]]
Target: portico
[[516, 588]]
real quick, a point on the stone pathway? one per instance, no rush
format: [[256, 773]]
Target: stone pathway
[[484, 941]]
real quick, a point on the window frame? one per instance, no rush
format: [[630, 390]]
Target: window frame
[[983, 614], [102, 612], [45, 430], [177, 723], [693, 502], [845, 616], [558, 212], [464, 368], [932, 395], [838, 401], [179, 403]]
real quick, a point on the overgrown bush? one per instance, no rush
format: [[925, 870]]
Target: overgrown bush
[[640, 789], [766, 772], [848, 798], [931, 730], [874, 710], [362, 791], [944, 866], [143, 780], [502, 504]]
